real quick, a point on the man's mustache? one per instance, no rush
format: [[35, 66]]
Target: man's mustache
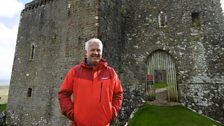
[[95, 55]]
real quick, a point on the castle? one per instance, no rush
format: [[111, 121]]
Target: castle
[[176, 42]]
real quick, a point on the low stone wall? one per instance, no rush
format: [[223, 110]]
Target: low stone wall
[[206, 99], [132, 100], [2, 118]]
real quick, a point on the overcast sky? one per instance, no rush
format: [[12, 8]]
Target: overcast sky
[[9, 20]]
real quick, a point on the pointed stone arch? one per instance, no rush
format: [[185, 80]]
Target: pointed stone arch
[[161, 70]]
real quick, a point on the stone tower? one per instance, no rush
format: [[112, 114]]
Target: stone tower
[[176, 42]]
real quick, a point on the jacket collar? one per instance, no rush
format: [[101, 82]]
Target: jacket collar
[[102, 63]]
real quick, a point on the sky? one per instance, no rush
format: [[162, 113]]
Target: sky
[[9, 22]]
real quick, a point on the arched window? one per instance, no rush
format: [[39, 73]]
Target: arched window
[[162, 19]]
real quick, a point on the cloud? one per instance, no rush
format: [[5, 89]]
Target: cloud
[[9, 16], [7, 49], [8, 34], [10, 8], [222, 5]]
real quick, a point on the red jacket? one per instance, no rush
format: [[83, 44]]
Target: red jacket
[[97, 95]]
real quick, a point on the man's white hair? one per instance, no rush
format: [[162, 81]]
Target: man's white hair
[[93, 40]]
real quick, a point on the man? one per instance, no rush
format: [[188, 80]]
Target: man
[[96, 88]]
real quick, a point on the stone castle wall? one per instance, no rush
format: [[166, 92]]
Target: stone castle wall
[[196, 49], [57, 31], [131, 31]]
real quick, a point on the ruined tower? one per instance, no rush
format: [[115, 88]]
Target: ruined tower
[[176, 42]]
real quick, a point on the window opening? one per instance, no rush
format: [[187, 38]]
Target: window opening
[[162, 19], [29, 92], [32, 52], [195, 19]]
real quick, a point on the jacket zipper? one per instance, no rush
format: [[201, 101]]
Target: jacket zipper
[[101, 87]]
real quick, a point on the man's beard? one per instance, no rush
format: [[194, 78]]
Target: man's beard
[[95, 60]]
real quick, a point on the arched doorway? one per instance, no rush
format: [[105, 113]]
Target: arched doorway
[[161, 77]]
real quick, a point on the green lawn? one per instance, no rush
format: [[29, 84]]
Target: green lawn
[[151, 115], [2, 107], [160, 85]]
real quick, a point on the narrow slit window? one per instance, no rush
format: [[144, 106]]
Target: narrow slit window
[[162, 19], [69, 8], [195, 19], [32, 52], [29, 92]]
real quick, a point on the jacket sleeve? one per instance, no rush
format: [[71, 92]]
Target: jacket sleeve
[[64, 95], [117, 96]]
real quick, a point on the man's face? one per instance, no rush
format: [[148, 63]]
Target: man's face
[[94, 53]]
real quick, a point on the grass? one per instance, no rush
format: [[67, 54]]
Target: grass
[[160, 85], [2, 107], [151, 115]]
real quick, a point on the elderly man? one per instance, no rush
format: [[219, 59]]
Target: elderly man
[[96, 88]]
